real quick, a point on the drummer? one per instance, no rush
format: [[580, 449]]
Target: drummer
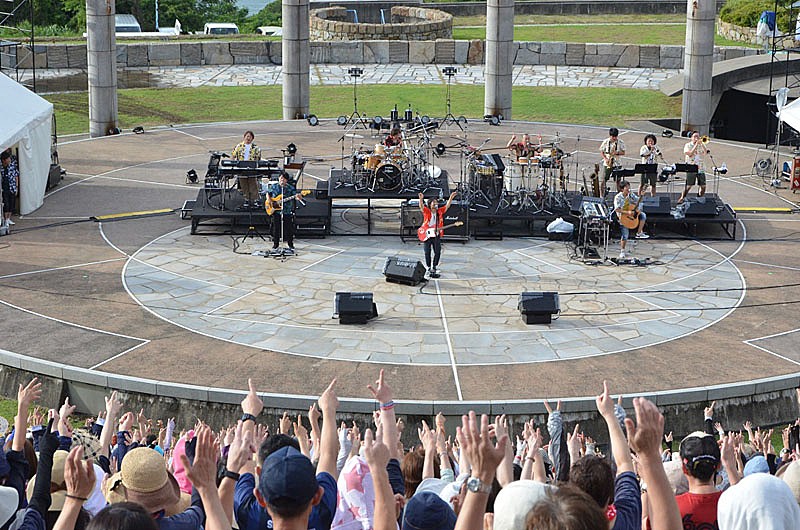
[[394, 139], [521, 149]]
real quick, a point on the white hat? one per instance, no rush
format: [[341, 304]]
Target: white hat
[[515, 501], [9, 498]]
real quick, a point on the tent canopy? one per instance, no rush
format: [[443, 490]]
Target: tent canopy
[[26, 126]]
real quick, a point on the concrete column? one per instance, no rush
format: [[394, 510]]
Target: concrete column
[[101, 61], [697, 66], [499, 57], [295, 58]]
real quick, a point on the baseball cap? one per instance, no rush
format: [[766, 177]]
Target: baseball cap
[[288, 478], [699, 447], [426, 511]]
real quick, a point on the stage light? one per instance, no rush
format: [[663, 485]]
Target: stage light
[[291, 149], [341, 120], [722, 170], [449, 70], [377, 120], [462, 120], [355, 72], [191, 176], [312, 120], [440, 149], [425, 119], [666, 133], [114, 130], [138, 130], [491, 119]]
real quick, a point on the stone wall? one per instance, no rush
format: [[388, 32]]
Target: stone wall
[[440, 51], [407, 23], [748, 35]]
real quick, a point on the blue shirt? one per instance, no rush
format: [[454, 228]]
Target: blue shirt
[[628, 501], [288, 191], [251, 516]]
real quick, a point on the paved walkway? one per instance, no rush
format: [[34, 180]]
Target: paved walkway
[[336, 74]]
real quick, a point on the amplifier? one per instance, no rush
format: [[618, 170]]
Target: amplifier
[[701, 207], [411, 216], [659, 205]]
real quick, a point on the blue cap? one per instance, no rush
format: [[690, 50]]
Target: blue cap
[[427, 511], [288, 478], [756, 464]]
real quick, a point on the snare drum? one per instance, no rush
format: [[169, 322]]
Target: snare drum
[[380, 149]]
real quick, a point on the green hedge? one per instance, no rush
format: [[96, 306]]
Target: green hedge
[[747, 12]]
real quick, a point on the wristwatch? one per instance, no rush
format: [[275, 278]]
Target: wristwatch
[[230, 474], [246, 417], [475, 485]]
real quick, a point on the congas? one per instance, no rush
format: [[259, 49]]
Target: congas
[[523, 160], [512, 179]]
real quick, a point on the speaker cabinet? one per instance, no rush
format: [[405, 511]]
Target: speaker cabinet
[[658, 205], [354, 308], [538, 307], [403, 270], [411, 216], [701, 207], [457, 212]]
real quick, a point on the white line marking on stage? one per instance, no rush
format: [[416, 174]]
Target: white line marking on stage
[[449, 343], [642, 300], [226, 304], [778, 355], [73, 324], [769, 265], [117, 356], [168, 184], [108, 241], [521, 252], [191, 135], [39, 271], [320, 261]]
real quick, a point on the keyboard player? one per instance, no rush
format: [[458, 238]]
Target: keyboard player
[[247, 150]]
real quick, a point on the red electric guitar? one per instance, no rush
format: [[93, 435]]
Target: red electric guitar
[[424, 232]]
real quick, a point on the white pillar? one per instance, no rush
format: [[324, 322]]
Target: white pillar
[[499, 68], [295, 59], [698, 65], [101, 62]]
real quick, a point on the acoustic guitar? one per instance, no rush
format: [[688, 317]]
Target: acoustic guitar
[[424, 232], [629, 218], [276, 203]]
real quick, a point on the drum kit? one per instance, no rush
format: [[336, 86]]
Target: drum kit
[[404, 168], [525, 184]]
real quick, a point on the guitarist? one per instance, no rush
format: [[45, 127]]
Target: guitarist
[[283, 218], [433, 217], [626, 204]]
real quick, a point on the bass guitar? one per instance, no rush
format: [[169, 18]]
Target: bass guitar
[[629, 218], [276, 203], [424, 232]]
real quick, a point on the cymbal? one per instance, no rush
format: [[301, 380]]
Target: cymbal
[[353, 135]]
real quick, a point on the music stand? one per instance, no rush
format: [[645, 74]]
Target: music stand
[[645, 169], [686, 168]]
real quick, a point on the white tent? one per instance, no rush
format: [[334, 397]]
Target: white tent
[[25, 124]]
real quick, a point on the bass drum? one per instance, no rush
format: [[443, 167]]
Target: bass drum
[[388, 176]]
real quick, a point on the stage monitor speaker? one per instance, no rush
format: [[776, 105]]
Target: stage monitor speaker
[[701, 207], [404, 270], [354, 308], [538, 307], [456, 212], [659, 205]]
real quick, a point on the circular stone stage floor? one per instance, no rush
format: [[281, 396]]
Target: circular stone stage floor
[[142, 298]]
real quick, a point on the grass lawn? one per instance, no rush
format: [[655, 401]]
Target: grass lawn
[[149, 107], [668, 34]]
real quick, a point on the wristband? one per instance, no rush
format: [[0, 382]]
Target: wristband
[[230, 474], [246, 417], [387, 406], [82, 499]]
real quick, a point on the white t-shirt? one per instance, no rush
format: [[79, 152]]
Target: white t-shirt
[[247, 151]]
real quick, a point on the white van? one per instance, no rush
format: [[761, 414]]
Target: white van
[[126, 24], [275, 31], [220, 28]]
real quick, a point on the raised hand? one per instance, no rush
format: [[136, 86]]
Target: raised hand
[[252, 404], [708, 411], [313, 414], [79, 475], [126, 421], [427, 437], [299, 430], [203, 472], [575, 442], [483, 454], [440, 421], [644, 436], [668, 437], [241, 448], [376, 452], [285, 424], [328, 402], [28, 394], [66, 410], [382, 392], [605, 405]]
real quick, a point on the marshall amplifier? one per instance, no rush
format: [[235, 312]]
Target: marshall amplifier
[[456, 213]]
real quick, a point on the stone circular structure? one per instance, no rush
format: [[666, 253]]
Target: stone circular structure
[[406, 23]]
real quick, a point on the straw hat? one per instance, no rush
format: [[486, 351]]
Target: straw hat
[[144, 479], [56, 477]]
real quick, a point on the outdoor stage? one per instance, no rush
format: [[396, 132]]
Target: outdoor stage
[[143, 305]]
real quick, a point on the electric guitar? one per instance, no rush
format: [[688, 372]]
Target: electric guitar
[[276, 203], [424, 232], [629, 218]]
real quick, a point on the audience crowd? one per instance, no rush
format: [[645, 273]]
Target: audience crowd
[[123, 470]]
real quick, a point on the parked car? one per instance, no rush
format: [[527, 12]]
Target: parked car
[[275, 31], [220, 28], [126, 24]]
